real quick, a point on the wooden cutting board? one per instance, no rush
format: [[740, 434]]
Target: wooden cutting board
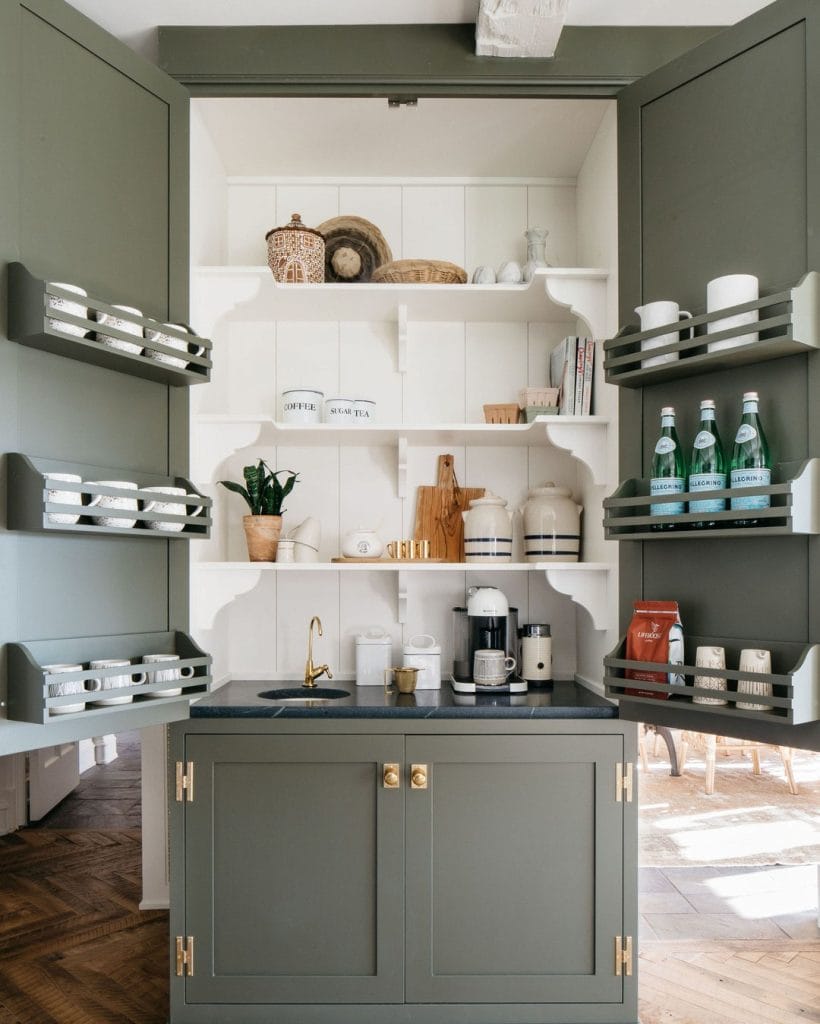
[[438, 512]]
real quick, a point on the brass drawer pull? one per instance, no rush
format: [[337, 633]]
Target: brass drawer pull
[[418, 776], [390, 776]]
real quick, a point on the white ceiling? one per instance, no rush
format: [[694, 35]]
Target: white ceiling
[[135, 21], [345, 138]]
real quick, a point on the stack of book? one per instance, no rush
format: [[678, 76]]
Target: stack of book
[[571, 364]]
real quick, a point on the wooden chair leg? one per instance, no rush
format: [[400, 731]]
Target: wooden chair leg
[[642, 748], [756, 760], [711, 746], [683, 750], [786, 754]]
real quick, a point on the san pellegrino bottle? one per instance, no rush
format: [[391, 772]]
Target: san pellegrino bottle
[[668, 473], [751, 465], [707, 466]]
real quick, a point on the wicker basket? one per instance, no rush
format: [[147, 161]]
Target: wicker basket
[[419, 272], [354, 248], [507, 413], [296, 254], [537, 396]]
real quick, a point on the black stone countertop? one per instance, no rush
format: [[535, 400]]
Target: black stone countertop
[[240, 699]]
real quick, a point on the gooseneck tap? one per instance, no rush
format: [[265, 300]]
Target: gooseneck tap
[[312, 672]]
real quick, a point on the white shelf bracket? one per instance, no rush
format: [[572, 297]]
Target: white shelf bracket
[[213, 591], [586, 442], [402, 337], [401, 584], [585, 297], [401, 467], [589, 589]]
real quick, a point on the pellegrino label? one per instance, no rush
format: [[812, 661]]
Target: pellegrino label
[[707, 482], [745, 432], [704, 439], [666, 485], [750, 478], [664, 446]]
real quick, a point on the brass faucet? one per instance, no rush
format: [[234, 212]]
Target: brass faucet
[[312, 672]]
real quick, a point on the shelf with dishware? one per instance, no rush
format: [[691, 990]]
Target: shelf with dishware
[[46, 495], [769, 327], [553, 294], [95, 677], [584, 437], [790, 695], [64, 320], [794, 508]]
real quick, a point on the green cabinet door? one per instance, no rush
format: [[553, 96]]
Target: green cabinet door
[[514, 870], [294, 870]]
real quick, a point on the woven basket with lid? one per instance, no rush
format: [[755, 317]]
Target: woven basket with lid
[[296, 254], [419, 272]]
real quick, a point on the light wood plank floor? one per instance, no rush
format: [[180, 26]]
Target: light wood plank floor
[[717, 945]]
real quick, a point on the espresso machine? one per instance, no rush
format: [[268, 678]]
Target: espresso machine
[[487, 622]]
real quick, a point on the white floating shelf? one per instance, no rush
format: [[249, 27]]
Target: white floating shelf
[[476, 303]]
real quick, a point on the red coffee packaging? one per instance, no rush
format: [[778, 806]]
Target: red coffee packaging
[[655, 634]]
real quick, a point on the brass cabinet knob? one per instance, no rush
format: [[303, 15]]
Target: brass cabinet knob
[[418, 776], [390, 776]]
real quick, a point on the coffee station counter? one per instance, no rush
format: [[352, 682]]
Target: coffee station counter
[[561, 699]]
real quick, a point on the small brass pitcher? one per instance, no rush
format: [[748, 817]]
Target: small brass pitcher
[[405, 679]]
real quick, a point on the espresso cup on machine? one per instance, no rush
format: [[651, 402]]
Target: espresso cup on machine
[[492, 667]]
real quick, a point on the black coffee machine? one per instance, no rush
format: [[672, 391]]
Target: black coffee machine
[[486, 623]]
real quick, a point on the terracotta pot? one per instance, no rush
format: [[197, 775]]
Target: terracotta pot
[[262, 535]]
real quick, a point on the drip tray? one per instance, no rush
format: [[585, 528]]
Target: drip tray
[[513, 685]]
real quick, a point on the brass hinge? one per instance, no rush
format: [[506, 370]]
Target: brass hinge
[[623, 782], [185, 955], [185, 781], [623, 955]]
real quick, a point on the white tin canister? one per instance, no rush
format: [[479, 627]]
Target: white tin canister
[[552, 525], [339, 411], [374, 655], [302, 405], [488, 530], [422, 652]]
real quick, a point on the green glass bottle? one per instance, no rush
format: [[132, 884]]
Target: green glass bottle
[[707, 466], [668, 473], [751, 464]]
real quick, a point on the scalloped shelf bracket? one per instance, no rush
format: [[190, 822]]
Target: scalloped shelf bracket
[[592, 590], [585, 297], [213, 298], [587, 444], [215, 590]]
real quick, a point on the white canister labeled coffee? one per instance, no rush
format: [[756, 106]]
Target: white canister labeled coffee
[[302, 405]]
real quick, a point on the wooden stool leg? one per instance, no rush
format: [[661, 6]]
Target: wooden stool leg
[[756, 760], [642, 748], [710, 763], [786, 754]]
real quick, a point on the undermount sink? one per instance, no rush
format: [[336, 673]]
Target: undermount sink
[[304, 694]]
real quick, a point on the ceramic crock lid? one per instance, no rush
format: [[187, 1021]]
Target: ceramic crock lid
[[549, 488], [488, 499]]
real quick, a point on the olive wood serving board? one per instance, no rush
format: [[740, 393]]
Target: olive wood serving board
[[438, 513]]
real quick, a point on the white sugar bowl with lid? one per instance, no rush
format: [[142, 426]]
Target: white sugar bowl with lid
[[362, 543], [552, 525], [488, 530], [422, 652]]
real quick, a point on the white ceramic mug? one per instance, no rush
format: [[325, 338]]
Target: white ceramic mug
[[171, 341], [492, 667], [167, 674], [126, 326], [753, 659], [731, 290], [658, 314], [339, 411], [364, 411], [710, 657], [63, 689], [168, 508], [60, 497], [114, 682], [284, 551], [103, 501], [302, 405], [58, 304]]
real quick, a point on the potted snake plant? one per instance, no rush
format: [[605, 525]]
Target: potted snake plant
[[264, 494]]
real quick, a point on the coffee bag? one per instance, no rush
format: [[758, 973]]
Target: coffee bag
[[655, 634]]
